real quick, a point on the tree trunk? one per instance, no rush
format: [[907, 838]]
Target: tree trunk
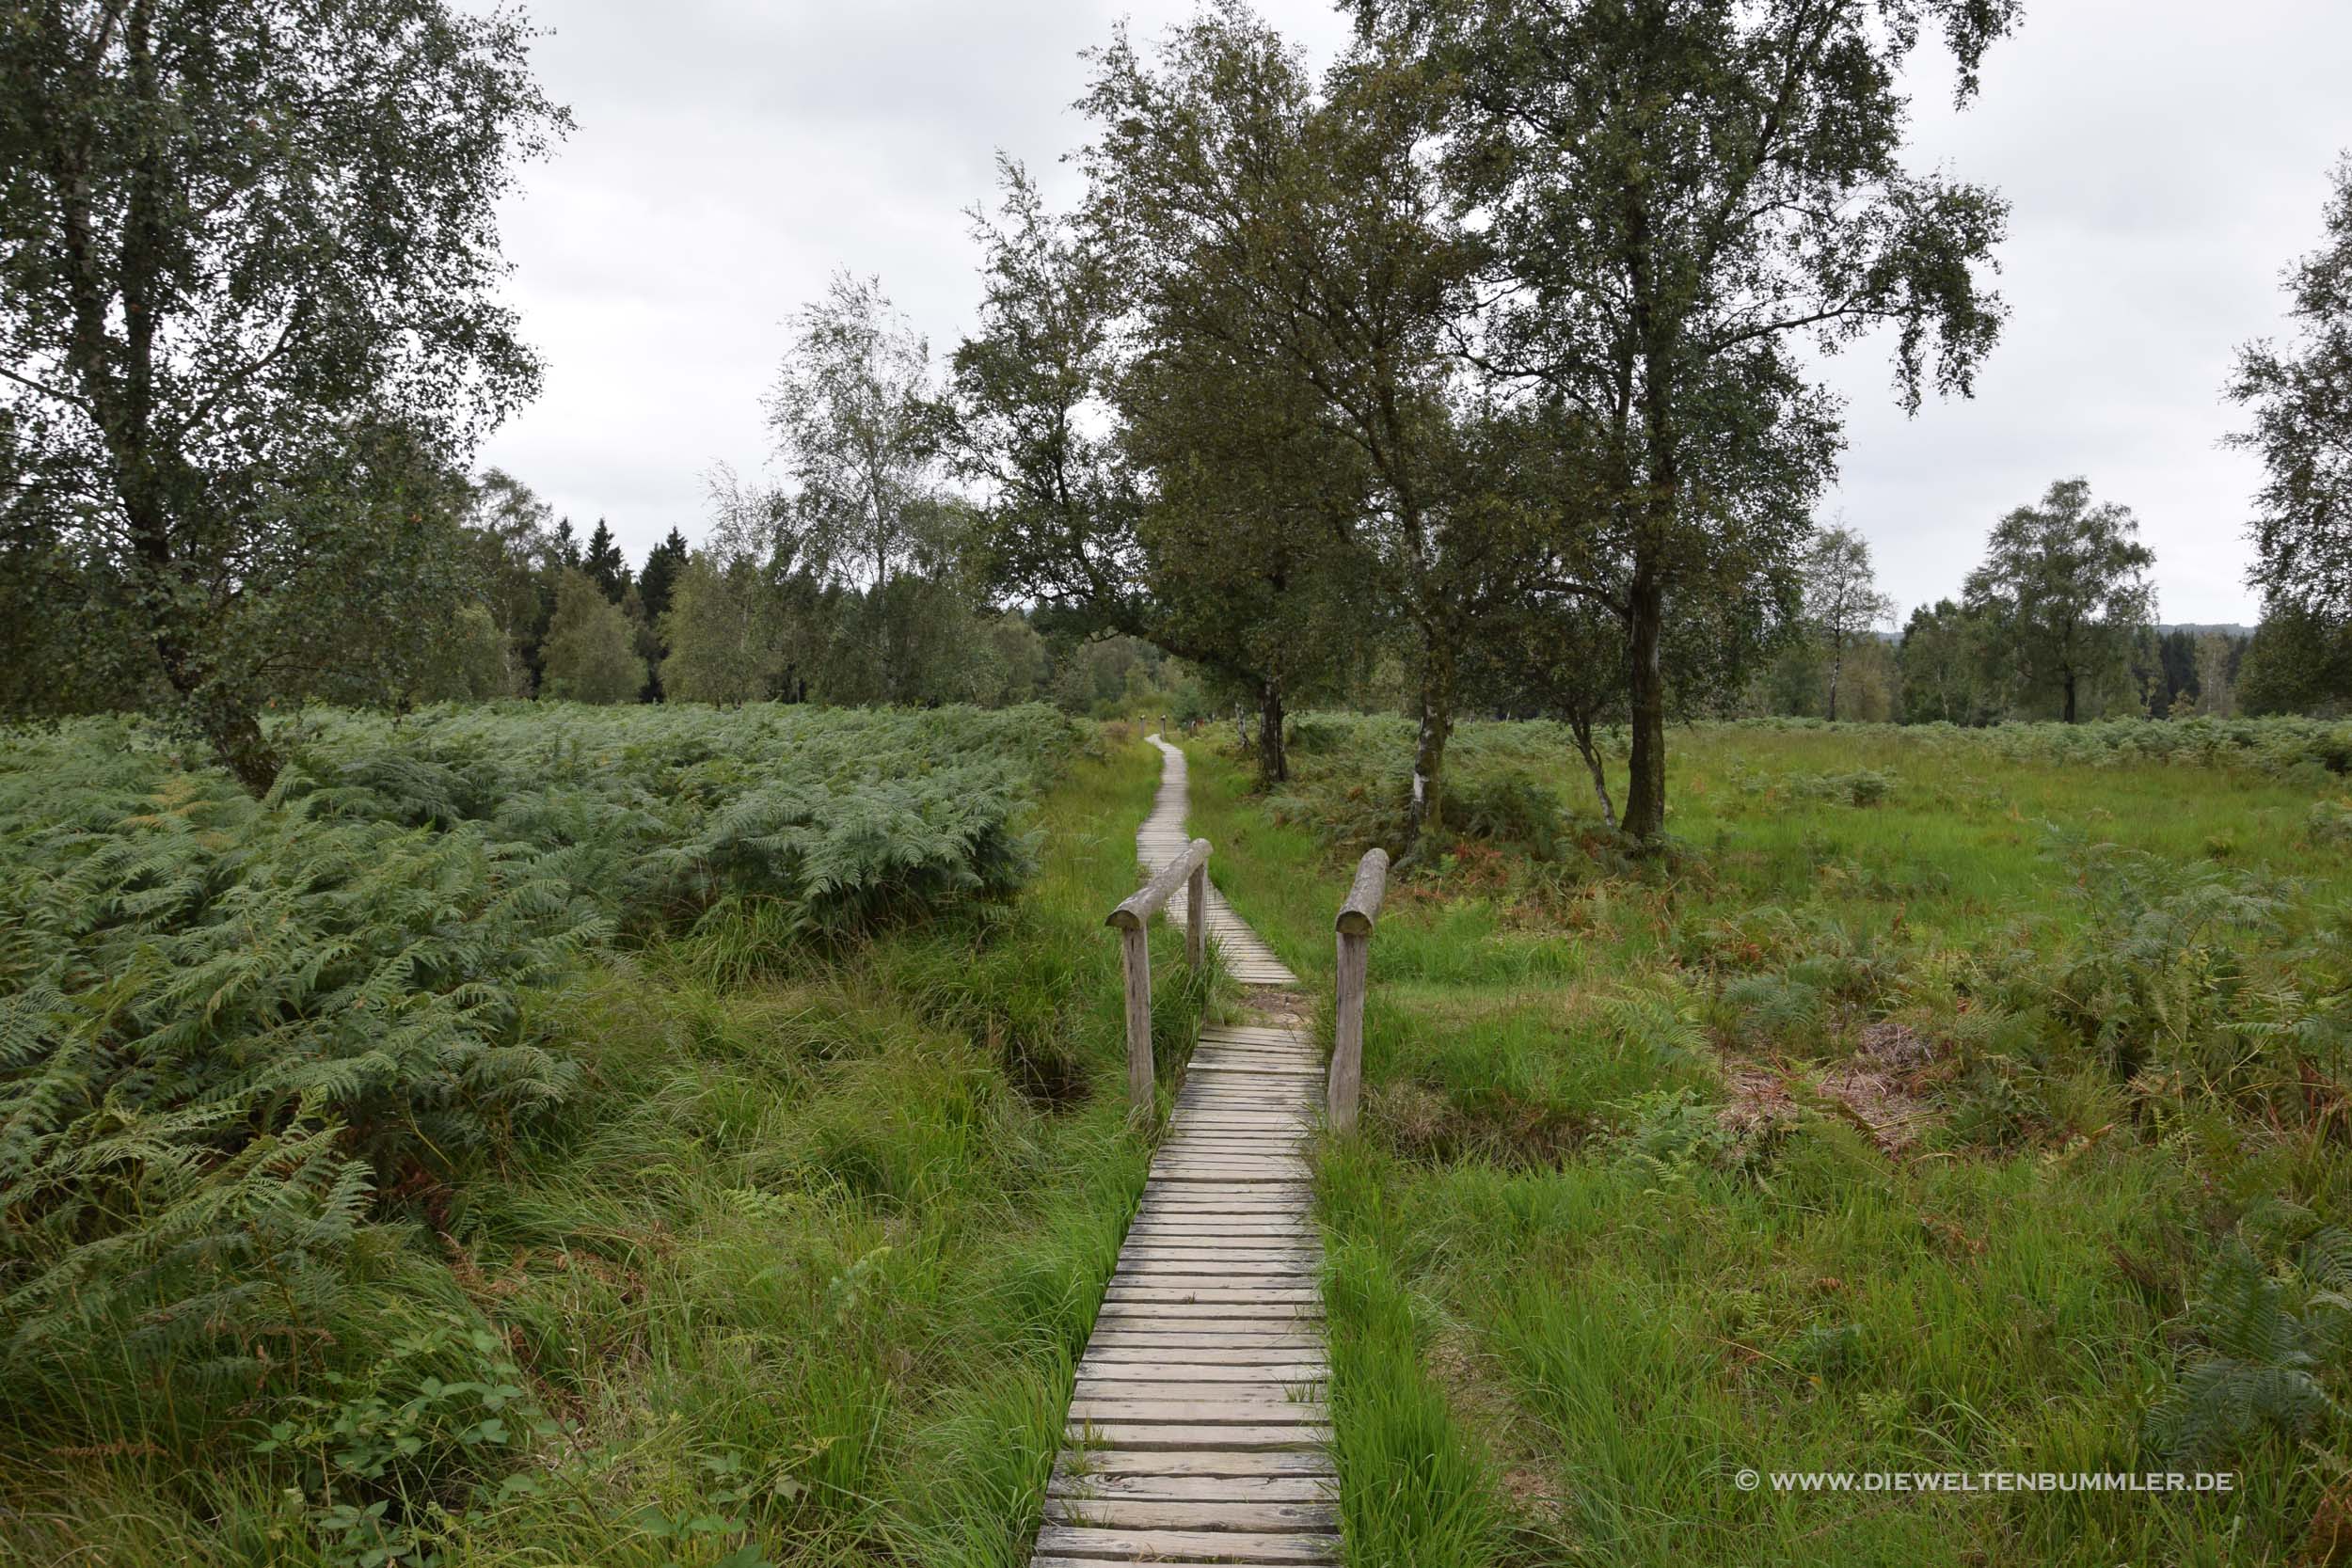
[[1425, 816], [1580, 725], [2070, 696], [1274, 765], [1837, 662], [227, 722], [1645, 786]]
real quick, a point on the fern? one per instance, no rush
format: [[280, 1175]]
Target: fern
[[225, 1024], [2263, 1352]]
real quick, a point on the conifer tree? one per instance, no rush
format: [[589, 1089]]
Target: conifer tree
[[605, 564]]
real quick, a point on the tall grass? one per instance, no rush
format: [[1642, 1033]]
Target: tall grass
[[793, 1270], [1943, 1101]]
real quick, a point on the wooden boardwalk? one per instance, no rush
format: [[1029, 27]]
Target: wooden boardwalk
[[1198, 1432]]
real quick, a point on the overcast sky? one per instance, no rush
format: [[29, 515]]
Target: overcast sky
[[2165, 159]]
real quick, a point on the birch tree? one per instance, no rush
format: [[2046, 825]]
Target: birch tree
[[238, 244]]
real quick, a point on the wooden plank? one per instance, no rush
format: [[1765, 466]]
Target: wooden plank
[[1143, 1435], [1177, 1370], [1204, 1489], [1261, 1229], [1214, 1340], [1122, 1513], [1285, 1198], [1266, 1409], [1212, 1314], [1251, 1271], [1121, 1400], [1214, 1070], [1193, 1299], [1206, 1460], [1215, 1145], [1156, 1262], [1182, 1351], [1167, 1545], [1163, 1327]]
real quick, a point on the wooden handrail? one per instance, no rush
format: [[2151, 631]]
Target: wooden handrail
[[1365, 894], [1133, 921], [1354, 926], [1147, 900]]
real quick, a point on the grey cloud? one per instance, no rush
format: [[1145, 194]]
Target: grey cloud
[[2165, 159]]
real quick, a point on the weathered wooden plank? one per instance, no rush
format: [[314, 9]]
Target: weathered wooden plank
[[1276, 1403], [1170, 1436], [1206, 1460], [1122, 1512], [1212, 1313], [1236, 1222], [1213, 1147], [1181, 1291], [1222, 1338], [1216, 1229], [1257, 1037], [1144, 1269], [1192, 1489], [1165, 1545], [1179, 1372], [1177, 1351], [1268, 1409], [1153, 1263]]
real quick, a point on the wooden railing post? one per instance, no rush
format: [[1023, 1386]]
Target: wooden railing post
[[1134, 945], [1132, 919], [1197, 915], [1355, 957]]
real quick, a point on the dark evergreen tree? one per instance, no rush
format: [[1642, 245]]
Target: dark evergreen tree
[[605, 564], [659, 577]]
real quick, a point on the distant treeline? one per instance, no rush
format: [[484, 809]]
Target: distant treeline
[[1935, 672]]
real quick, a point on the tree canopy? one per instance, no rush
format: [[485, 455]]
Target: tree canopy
[[1683, 199], [2301, 396], [249, 275], [2064, 585]]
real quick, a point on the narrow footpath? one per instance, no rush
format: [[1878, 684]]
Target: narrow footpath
[[1197, 1433]]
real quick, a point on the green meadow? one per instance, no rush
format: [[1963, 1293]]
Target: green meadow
[[1943, 1101], [1937, 1101]]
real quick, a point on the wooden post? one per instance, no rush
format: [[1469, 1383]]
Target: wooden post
[[1355, 957], [1197, 915], [1135, 944], [1133, 919]]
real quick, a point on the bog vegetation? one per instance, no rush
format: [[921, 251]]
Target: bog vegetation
[[511, 1051], [627, 1132], [1944, 1101]]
